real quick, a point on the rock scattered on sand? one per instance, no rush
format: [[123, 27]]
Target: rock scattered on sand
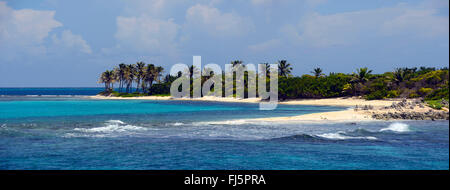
[[410, 110], [430, 115]]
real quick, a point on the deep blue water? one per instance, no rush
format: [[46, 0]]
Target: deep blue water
[[50, 91], [79, 133]]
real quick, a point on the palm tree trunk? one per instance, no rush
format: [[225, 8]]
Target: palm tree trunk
[[120, 85], [137, 85]]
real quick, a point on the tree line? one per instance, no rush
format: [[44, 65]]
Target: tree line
[[140, 74], [426, 82], [145, 79]]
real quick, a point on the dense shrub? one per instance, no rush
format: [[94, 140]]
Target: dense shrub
[[377, 95], [392, 94], [425, 91], [438, 94], [163, 88], [308, 86]]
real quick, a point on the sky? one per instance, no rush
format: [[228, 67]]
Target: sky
[[60, 43]]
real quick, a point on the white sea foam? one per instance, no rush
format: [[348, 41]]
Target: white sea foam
[[75, 135], [397, 127], [174, 124], [230, 122], [340, 136], [115, 121], [112, 126], [177, 124]]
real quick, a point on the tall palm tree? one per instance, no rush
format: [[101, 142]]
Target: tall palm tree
[[267, 66], [159, 70], [149, 76], [193, 69], [317, 72], [130, 75], [108, 79], [140, 70], [362, 75], [284, 68], [121, 75], [116, 76]]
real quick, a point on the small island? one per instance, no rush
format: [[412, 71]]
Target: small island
[[405, 93]]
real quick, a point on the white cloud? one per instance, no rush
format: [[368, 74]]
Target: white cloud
[[419, 22], [25, 30], [261, 2], [162, 8], [265, 45], [71, 41], [353, 27], [146, 34], [215, 23]]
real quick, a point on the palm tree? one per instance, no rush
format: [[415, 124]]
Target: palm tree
[[159, 70], [284, 68], [362, 75], [108, 77], [149, 76], [398, 75], [121, 75], [116, 76], [130, 75], [267, 66], [193, 69], [236, 62], [317, 72], [140, 70], [360, 78]]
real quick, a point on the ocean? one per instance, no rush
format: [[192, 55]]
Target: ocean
[[59, 128]]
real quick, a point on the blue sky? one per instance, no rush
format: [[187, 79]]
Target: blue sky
[[56, 43]]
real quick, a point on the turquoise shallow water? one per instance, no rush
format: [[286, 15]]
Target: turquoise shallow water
[[78, 133], [78, 107]]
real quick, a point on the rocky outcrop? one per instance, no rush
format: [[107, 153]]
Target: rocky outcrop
[[410, 110], [429, 115], [444, 103]]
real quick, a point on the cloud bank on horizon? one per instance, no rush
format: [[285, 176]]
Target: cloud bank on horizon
[[62, 43]]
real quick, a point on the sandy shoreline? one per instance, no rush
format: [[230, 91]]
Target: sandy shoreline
[[348, 115], [344, 102]]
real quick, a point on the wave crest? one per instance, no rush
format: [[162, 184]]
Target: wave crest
[[112, 128], [342, 136], [397, 127]]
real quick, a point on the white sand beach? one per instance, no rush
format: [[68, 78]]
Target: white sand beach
[[351, 114]]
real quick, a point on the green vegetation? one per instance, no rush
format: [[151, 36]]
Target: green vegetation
[[142, 79], [144, 76], [437, 104]]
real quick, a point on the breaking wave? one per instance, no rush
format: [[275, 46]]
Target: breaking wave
[[357, 134], [343, 136], [112, 128], [397, 127], [175, 124], [115, 121], [236, 130]]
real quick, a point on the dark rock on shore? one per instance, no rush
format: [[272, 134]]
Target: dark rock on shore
[[410, 110], [430, 115]]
